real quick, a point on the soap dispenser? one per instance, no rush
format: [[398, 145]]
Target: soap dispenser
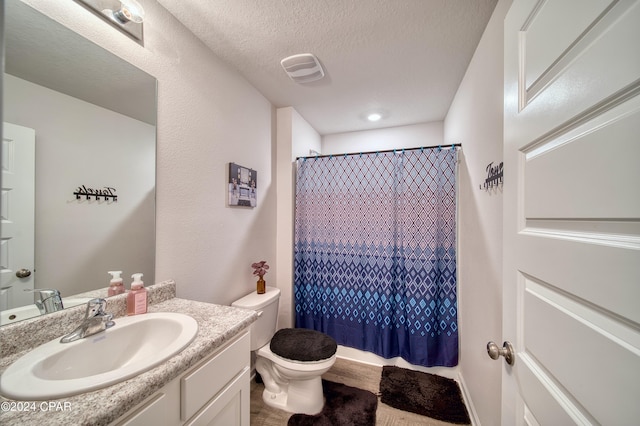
[[137, 297], [115, 285]]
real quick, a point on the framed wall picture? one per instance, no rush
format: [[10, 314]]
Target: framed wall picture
[[243, 186]]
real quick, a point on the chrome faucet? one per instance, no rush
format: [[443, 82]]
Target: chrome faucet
[[95, 321], [49, 300]]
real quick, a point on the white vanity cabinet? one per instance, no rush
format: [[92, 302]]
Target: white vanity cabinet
[[213, 392]]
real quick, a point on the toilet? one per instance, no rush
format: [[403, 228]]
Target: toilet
[[290, 361]]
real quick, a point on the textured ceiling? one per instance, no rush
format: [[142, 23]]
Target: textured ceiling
[[403, 58]]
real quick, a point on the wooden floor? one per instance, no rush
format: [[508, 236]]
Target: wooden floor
[[363, 376]]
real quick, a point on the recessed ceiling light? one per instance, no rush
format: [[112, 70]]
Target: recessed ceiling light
[[374, 117]]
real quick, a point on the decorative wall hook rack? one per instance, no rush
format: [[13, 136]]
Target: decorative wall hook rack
[[106, 192], [495, 176]]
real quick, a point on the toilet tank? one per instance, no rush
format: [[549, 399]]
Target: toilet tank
[[266, 305]]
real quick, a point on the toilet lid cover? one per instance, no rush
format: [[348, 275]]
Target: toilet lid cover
[[301, 344]]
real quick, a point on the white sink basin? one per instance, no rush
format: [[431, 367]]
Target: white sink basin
[[135, 344]]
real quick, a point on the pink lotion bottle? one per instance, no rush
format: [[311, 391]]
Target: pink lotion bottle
[[137, 296], [115, 285]]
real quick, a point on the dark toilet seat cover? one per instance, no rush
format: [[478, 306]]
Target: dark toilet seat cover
[[301, 344]]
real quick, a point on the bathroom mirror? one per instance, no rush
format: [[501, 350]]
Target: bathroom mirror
[[93, 120]]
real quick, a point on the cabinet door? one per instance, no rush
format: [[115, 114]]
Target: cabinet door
[[204, 382], [163, 408], [229, 408]]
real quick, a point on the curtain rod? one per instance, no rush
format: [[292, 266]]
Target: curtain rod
[[381, 152]]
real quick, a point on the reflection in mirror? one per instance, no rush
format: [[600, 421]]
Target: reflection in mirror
[[78, 166]]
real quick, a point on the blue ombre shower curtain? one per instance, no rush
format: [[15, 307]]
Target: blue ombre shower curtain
[[375, 252]]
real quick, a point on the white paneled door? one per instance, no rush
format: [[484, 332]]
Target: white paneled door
[[17, 212], [571, 301]]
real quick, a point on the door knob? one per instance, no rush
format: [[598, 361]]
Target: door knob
[[23, 273], [506, 351]]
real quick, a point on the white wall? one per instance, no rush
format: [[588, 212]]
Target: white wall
[[475, 120], [97, 236], [208, 116], [295, 138], [412, 136]]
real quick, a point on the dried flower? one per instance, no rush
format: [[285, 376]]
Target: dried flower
[[260, 268]]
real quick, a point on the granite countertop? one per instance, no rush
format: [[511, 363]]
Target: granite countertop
[[216, 325]]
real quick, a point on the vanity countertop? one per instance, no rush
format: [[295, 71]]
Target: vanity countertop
[[216, 326]]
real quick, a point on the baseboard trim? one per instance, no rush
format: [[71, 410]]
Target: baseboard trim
[[363, 357], [473, 415]]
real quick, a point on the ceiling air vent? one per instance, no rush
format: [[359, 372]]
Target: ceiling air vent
[[303, 68]]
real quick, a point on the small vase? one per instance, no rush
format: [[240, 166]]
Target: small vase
[[261, 286]]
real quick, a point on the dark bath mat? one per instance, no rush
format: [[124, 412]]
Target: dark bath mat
[[423, 393], [344, 406]]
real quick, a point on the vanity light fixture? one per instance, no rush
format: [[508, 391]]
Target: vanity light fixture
[[130, 10], [126, 15]]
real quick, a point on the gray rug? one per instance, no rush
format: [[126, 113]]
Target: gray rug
[[344, 406], [423, 393]]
